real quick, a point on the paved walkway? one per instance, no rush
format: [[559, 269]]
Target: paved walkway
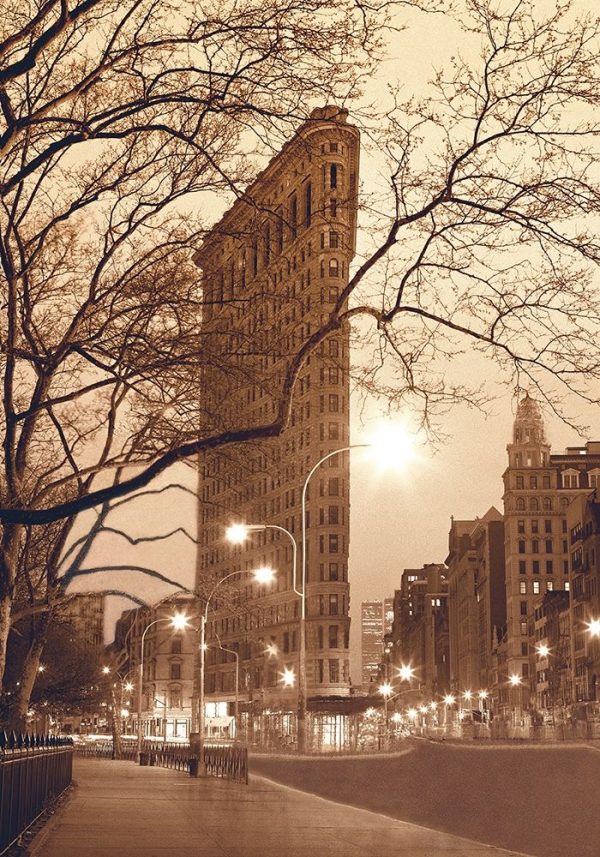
[[118, 809]]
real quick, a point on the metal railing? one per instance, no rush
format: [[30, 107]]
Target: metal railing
[[229, 761], [34, 771]]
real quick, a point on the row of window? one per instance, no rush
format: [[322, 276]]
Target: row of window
[[533, 587], [536, 566], [569, 479], [534, 525]]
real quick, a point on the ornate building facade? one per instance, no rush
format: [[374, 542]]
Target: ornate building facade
[[538, 487], [273, 269]]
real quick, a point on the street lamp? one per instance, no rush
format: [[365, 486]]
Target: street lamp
[[261, 575], [236, 709], [178, 623], [385, 689], [593, 627], [405, 672]]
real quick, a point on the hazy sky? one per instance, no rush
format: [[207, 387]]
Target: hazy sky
[[398, 519]]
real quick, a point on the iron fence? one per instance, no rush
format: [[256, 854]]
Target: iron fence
[[229, 761], [34, 770]]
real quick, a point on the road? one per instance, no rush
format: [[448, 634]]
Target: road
[[543, 801]]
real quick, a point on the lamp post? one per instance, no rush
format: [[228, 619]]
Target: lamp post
[[516, 681], [389, 444], [385, 689], [178, 622], [261, 575], [236, 708]]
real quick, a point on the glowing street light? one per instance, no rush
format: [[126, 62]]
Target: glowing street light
[[128, 686], [405, 672], [449, 699], [515, 680], [483, 694], [542, 650], [288, 677], [271, 650], [412, 713], [105, 670], [386, 689], [467, 695], [594, 627], [41, 668]]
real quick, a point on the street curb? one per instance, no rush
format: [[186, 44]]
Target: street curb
[[330, 757]]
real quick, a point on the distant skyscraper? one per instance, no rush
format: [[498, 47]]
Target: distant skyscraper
[[372, 625]]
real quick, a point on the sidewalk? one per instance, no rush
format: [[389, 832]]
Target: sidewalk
[[118, 809]]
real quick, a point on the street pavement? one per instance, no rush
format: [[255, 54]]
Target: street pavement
[[541, 800], [118, 809]]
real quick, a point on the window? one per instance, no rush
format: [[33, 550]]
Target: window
[[534, 504], [308, 203], [334, 240], [533, 482], [175, 671], [535, 526], [176, 646], [520, 505], [536, 587], [547, 526], [536, 566], [321, 671], [524, 650], [334, 268], [320, 636], [333, 604], [334, 403], [520, 482], [524, 628], [333, 208], [523, 587], [334, 431], [548, 546], [547, 503], [594, 478], [549, 566], [523, 606], [333, 176], [521, 526], [570, 479], [535, 546], [175, 698], [333, 571], [334, 671], [545, 481], [333, 543], [549, 585], [333, 636], [293, 216], [334, 514], [521, 546], [334, 487], [522, 566]]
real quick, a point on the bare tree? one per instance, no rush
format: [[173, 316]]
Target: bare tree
[[487, 239], [119, 122]]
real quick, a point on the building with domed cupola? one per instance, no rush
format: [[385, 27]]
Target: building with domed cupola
[[538, 488]]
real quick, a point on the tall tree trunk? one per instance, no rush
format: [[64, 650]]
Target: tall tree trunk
[[5, 608], [28, 676], [116, 704]]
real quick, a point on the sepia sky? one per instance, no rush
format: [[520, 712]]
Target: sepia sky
[[399, 519]]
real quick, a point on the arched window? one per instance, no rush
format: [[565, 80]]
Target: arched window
[[534, 504], [334, 268], [520, 504], [547, 504], [564, 501], [570, 478]]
